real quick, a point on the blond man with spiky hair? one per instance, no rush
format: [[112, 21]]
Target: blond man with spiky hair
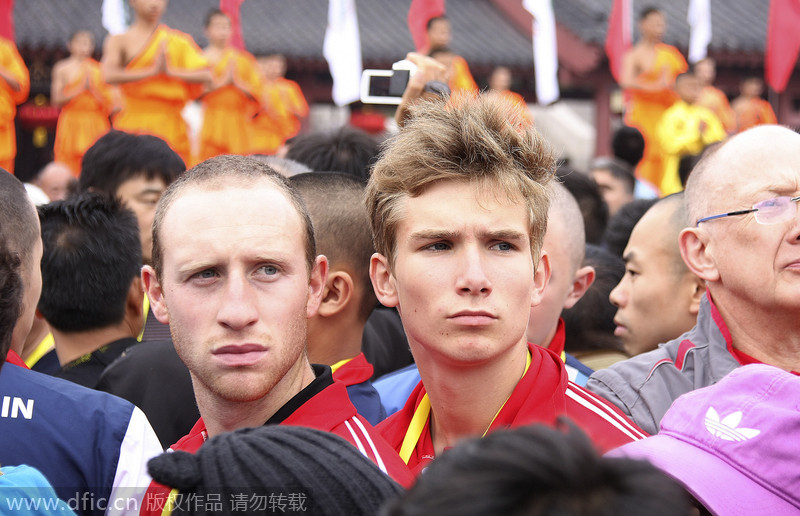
[[458, 207]]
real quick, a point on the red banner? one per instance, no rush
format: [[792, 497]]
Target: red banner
[[232, 8], [783, 42], [618, 38], [418, 15]]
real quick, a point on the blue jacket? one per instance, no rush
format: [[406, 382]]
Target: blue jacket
[[90, 445]]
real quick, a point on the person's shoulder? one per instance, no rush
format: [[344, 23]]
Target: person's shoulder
[[637, 369], [176, 35], [600, 417], [56, 387]]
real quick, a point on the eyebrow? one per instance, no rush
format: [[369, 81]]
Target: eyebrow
[[630, 255], [443, 234]]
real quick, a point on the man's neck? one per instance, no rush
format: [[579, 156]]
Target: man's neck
[[465, 400], [333, 341], [141, 25], [37, 334], [222, 415], [72, 345], [769, 336]]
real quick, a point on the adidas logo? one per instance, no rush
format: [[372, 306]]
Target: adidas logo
[[726, 428]]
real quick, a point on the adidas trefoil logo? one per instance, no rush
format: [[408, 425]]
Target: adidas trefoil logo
[[726, 428]]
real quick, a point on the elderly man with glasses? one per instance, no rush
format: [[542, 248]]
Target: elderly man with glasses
[[744, 242]]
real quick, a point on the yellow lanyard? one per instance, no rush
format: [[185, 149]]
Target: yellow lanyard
[[420, 417], [339, 364], [169, 505]]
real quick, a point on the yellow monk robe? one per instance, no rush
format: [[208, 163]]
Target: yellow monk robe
[[679, 135], [462, 78], [12, 63], [154, 105], [228, 111], [644, 108], [278, 120], [755, 112], [714, 99], [84, 118]]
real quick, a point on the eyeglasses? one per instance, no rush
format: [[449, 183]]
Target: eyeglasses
[[771, 211]]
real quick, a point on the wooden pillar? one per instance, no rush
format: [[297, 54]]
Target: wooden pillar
[[602, 121]]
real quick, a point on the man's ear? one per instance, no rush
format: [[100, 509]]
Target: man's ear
[[382, 280], [155, 293], [583, 279], [338, 293], [699, 288], [133, 305], [695, 253], [316, 285], [541, 277]]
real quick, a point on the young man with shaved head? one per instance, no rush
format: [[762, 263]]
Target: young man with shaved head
[[659, 297], [743, 241], [237, 287], [458, 207]]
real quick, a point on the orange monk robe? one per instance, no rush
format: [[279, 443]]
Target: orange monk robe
[[228, 111], [462, 78], [283, 102], [715, 100], [84, 118], [644, 108], [753, 112], [153, 105], [519, 101], [12, 63]]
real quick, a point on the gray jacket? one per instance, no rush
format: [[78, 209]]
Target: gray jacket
[[645, 386]]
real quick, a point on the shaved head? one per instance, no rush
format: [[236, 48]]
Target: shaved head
[[565, 223], [671, 216], [724, 167]]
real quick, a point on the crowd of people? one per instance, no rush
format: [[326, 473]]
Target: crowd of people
[[446, 322]]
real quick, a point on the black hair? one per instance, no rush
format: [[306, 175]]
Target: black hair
[[628, 145], [19, 228], [589, 324], [538, 471], [593, 208], [11, 291], [621, 224], [119, 156], [92, 252], [210, 15], [335, 202], [433, 20], [647, 11], [347, 150], [619, 169]]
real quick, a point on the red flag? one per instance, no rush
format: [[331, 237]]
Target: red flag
[[418, 15], [231, 8], [618, 38], [783, 42], [7, 19]]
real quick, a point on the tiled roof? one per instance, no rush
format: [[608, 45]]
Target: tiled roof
[[296, 27], [481, 33], [737, 25]]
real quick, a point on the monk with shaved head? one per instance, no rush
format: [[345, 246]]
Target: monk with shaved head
[[743, 241]]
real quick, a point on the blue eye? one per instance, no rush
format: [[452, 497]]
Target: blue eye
[[438, 246], [269, 270]]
